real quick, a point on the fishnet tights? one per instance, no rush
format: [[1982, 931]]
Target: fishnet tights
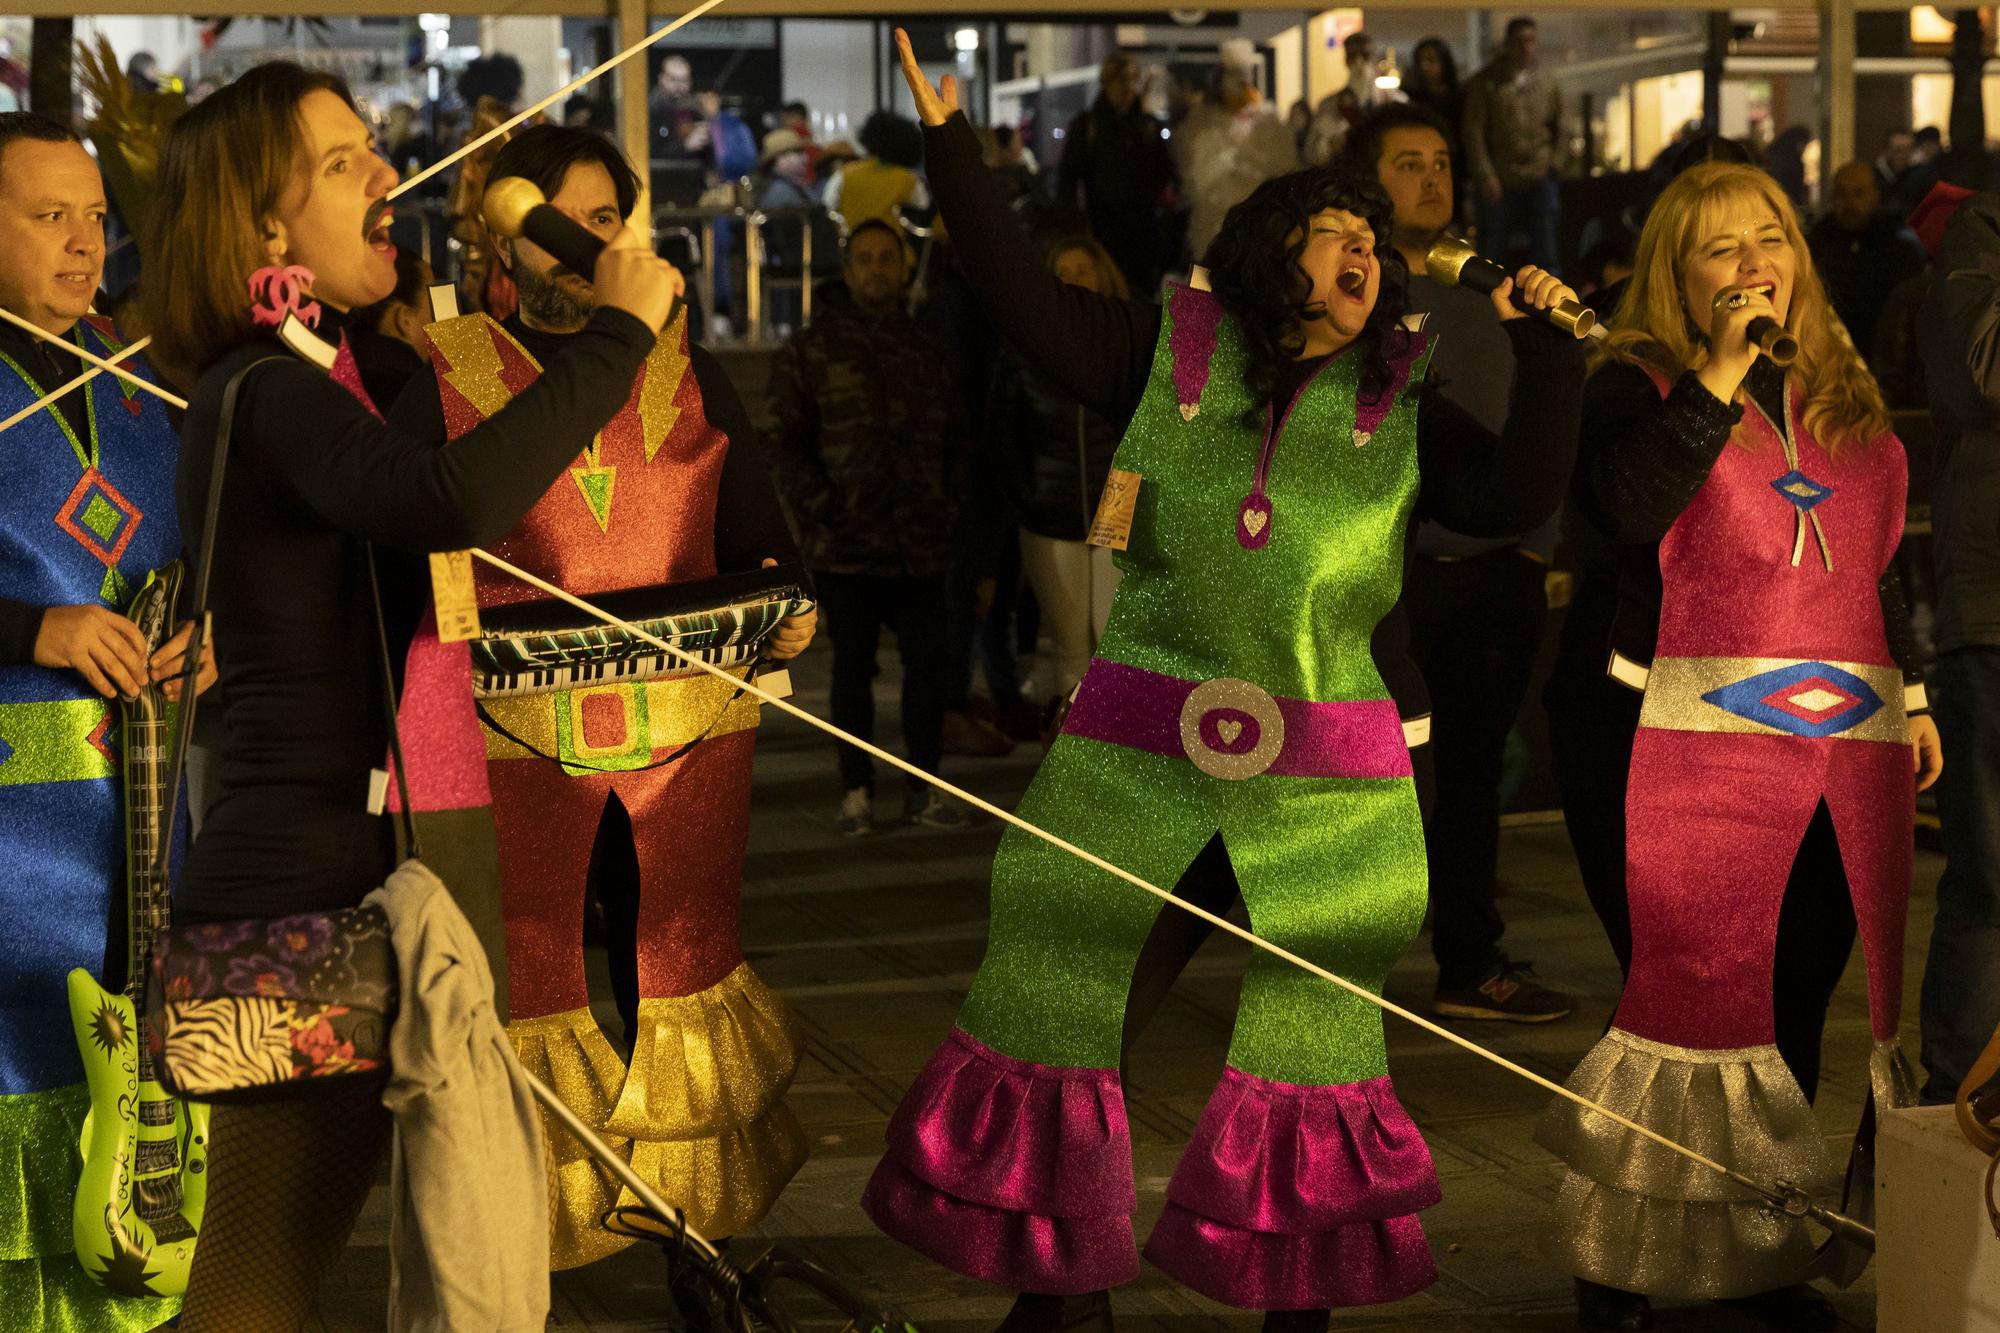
[[287, 1181]]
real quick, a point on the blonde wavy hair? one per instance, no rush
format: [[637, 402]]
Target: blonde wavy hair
[[1652, 328]]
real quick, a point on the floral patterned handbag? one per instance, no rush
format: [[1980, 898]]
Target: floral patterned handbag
[[267, 1007]]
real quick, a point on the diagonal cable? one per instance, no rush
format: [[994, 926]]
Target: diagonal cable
[[1778, 1194], [99, 366]]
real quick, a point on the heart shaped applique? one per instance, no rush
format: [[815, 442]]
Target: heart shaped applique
[[1189, 411], [1229, 731], [1253, 522], [133, 406], [1362, 437]]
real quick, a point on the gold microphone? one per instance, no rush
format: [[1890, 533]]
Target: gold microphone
[[1454, 263]]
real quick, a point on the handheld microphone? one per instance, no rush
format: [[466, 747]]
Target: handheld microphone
[[1766, 334], [1455, 264], [514, 207], [1773, 340]]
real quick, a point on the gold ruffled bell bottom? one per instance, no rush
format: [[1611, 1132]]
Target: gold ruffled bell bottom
[[699, 1114]]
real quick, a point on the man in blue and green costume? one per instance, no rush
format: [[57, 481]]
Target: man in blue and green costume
[[1238, 695], [86, 514]]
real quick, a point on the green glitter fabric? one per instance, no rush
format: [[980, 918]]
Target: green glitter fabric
[[42, 1286], [1331, 868]]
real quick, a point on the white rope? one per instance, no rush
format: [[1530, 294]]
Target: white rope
[[132, 350], [57, 340], [99, 366], [557, 96], [1009, 817]]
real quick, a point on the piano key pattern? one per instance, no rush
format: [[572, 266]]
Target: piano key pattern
[[541, 663]]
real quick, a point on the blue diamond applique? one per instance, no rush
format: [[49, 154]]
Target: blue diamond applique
[[1811, 699], [1801, 490]]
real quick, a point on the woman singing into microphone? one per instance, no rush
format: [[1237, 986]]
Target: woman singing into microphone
[[1278, 440], [276, 171], [1753, 511]]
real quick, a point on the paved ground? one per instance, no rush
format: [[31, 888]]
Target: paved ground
[[874, 941]]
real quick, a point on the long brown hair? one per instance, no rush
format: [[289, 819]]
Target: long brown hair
[[1107, 267], [225, 167], [1843, 406]]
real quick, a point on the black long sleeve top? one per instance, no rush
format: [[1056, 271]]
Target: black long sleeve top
[[1098, 351], [312, 475], [1641, 460], [749, 524]]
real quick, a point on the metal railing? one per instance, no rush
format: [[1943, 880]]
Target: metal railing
[[784, 251], [770, 277]]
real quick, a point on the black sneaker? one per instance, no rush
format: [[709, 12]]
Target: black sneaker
[[1795, 1309], [1603, 1309], [1513, 994]]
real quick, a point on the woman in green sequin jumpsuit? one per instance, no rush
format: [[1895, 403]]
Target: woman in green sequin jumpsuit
[[1235, 697]]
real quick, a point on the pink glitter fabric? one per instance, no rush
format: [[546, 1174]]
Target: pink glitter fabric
[[1405, 351], [1364, 1263], [1141, 710], [441, 740], [1014, 1172], [1283, 1157], [1062, 1256], [1292, 1197], [1713, 820], [1197, 317]]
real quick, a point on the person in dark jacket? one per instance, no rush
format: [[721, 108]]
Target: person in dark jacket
[[1115, 165], [1477, 605], [1064, 453], [1861, 252], [1961, 995], [868, 429], [314, 479]]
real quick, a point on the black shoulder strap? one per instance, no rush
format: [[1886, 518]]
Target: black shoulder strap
[[204, 566]]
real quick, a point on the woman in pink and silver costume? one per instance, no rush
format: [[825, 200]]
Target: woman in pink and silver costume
[[1757, 509]]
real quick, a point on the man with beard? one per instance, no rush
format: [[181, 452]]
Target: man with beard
[[673, 489], [1477, 606]]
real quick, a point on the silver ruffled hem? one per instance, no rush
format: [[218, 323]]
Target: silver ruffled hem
[[1634, 1215], [1675, 1248]]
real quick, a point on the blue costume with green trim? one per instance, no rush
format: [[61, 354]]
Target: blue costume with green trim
[[82, 520]]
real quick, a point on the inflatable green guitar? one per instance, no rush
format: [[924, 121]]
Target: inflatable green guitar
[[145, 1154]]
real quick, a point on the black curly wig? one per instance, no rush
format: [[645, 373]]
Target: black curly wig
[[1253, 268]]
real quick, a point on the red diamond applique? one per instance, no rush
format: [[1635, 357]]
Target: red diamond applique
[[132, 405], [100, 739], [101, 520]]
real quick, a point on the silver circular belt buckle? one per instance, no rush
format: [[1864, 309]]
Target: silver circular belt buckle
[[1231, 728]]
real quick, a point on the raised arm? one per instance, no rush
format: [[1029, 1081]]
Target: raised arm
[[300, 431], [1501, 485], [1091, 348]]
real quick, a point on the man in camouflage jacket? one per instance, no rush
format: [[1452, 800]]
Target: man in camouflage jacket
[[868, 435]]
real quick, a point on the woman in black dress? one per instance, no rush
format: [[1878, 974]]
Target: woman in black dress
[[277, 169]]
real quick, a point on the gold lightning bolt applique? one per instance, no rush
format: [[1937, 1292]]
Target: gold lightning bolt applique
[[665, 365], [466, 343]]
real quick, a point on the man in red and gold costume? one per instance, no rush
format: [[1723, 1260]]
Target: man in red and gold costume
[[673, 489]]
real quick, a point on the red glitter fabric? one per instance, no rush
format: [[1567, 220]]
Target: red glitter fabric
[[1714, 820], [652, 523]]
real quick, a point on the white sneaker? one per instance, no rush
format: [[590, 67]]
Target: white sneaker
[[934, 810], [857, 812]]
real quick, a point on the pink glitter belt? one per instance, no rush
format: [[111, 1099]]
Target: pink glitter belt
[[1230, 728]]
